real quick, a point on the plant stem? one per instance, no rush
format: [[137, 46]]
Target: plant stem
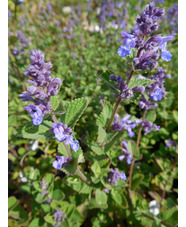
[[118, 102], [81, 175], [162, 222], [113, 113], [135, 151]]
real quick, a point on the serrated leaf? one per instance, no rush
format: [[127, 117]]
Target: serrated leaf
[[103, 137], [105, 114], [94, 205], [136, 180], [119, 198], [151, 116], [101, 197], [139, 82], [58, 194], [54, 101], [62, 150], [170, 216], [12, 202], [105, 76], [71, 167], [31, 131], [78, 185], [74, 110], [49, 218]]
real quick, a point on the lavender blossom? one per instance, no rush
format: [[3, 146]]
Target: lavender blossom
[[170, 143], [126, 152], [62, 134], [144, 104], [172, 17], [59, 217], [147, 22], [35, 113], [44, 86], [114, 175], [61, 162], [44, 187], [148, 126], [124, 124]]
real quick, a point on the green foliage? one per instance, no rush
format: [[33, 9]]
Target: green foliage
[[74, 110], [86, 100]]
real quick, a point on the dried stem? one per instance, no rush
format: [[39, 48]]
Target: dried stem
[[136, 148]]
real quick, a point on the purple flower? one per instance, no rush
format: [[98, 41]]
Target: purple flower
[[170, 143], [126, 152], [144, 104], [129, 42], [157, 94], [49, 6], [35, 113], [54, 86], [165, 54], [59, 217], [75, 145], [147, 22], [172, 17], [148, 126], [61, 162], [114, 175], [123, 51], [44, 187], [36, 92], [62, 133], [124, 124]]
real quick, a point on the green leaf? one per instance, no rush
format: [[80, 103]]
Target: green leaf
[[94, 205], [139, 82], [31, 131], [136, 180], [62, 150], [170, 216], [78, 185], [54, 101], [96, 169], [37, 222], [74, 110], [103, 137], [151, 116], [49, 218], [132, 147], [12, 202], [101, 197], [105, 114], [58, 194], [105, 76], [119, 198], [71, 167]]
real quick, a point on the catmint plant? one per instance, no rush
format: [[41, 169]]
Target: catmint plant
[[102, 156]]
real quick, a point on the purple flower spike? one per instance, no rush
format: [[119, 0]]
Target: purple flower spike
[[156, 95], [59, 217], [126, 152], [114, 175], [61, 162], [35, 113], [148, 126], [124, 124], [170, 143], [54, 86], [75, 145], [124, 51]]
